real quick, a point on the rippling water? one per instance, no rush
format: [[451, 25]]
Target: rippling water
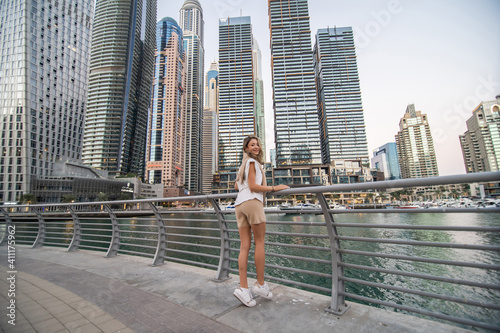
[[459, 273]]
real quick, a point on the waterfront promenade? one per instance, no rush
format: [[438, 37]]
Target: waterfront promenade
[[83, 291]]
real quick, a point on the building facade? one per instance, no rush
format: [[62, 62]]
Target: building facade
[[343, 134], [210, 127], [236, 90], [481, 142], [385, 159], [192, 25], [43, 77], [416, 154], [296, 121], [79, 183], [166, 139], [119, 88], [260, 119]]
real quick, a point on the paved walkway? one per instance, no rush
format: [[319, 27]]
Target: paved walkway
[[82, 291]]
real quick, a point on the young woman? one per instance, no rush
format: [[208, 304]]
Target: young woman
[[251, 184]]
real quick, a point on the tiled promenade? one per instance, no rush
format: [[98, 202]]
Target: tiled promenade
[[60, 291]]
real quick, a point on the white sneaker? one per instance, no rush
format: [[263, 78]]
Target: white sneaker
[[244, 296], [262, 290]]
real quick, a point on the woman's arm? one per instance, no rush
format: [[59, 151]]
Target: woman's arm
[[254, 187]]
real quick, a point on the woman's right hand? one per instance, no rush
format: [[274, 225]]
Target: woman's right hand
[[280, 187]]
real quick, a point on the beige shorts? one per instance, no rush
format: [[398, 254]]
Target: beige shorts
[[250, 212]]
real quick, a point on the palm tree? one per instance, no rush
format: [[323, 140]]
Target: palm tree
[[101, 196], [28, 199], [66, 198]]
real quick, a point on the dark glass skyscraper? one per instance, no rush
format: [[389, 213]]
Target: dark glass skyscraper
[[339, 96], [43, 76], [236, 90], [121, 72], [297, 130]]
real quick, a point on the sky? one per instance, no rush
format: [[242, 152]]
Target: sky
[[441, 55]]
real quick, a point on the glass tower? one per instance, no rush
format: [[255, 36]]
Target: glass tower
[[339, 96], [481, 142], [296, 124], [416, 154], [210, 128], [236, 90], [43, 76], [165, 144], [191, 22], [385, 159], [119, 88], [259, 96]]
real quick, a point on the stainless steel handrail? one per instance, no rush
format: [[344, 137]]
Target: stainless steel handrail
[[212, 244]]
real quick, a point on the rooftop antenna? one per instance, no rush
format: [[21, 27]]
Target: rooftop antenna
[[241, 12]]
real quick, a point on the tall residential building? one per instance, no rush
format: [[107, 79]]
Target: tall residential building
[[481, 142], [43, 76], [385, 159], [119, 88], [296, 124], [210, 128], [191, 22], [165, 144], [260, 120], [416, 154], [236, 90], [339, 96]]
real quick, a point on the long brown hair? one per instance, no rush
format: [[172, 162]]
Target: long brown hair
[[258, 157]]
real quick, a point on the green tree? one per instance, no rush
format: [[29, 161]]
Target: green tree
[[66, 198], [28, 199], [101, 196]]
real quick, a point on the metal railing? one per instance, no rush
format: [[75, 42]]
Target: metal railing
[[320, 254]]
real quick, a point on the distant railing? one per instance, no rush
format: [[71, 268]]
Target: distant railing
[[299, 253]]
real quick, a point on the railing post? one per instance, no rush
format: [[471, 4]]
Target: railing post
[[162, 237], [223, 270], [337, 304], [8, 223], [114, 245], [77, 231], [40, 238]]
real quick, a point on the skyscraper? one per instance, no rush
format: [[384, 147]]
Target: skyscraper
[[481, 142], [165, 144], [43, 77], [191, 22], [296, 123], [236, 90], [260, 120], [416, 154], [339, 96], [121, 72], [385, 159], [210, 127]]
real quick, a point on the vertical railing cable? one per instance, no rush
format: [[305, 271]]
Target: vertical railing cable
[[337, 305], [8, 224], [114, 245], [40, 238], [223, 270], [162, 237], [77, 231]]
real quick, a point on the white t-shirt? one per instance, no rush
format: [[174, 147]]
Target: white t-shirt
[[244, 193]]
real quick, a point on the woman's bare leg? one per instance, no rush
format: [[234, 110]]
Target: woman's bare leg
[[259, 233], [246, 240]]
